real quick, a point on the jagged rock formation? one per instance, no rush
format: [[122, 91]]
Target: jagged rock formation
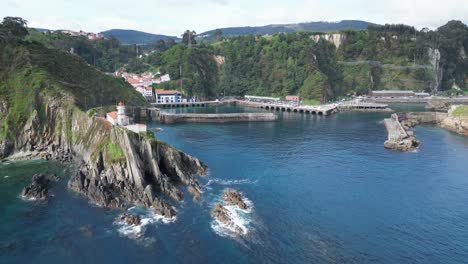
[[434, 59], [221, 214], [120, 168], [130, 219], [224, 216], [38, 189], [399, 136], [235, 198], [335, 38]]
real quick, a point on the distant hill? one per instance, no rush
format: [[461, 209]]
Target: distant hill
[[128, 36], [277, 28]]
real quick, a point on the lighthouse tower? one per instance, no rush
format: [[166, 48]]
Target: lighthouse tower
[[122, 119]]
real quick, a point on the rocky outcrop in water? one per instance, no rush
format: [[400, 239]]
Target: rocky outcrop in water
[[130, 219], [234, 197], [221, 214], [400, 137], [38, 189]]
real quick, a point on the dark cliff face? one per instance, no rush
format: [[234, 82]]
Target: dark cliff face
[[42, 96], [116, 167]]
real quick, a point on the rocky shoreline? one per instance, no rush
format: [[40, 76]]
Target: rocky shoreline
[[404, 140], [115, 167]]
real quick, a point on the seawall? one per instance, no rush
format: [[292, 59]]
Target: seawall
[[170, 118]]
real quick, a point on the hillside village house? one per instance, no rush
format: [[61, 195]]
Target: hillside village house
[[168, 96], [143, 82], [147, 92], [293, 98]]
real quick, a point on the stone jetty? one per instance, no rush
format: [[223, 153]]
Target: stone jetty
[[170, 118], [398, 137]]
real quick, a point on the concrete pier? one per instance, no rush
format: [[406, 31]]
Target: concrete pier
[[306, 109], [170, 118], [363, 106], [190, 104]]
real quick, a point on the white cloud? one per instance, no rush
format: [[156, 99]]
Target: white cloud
[[174, 16]]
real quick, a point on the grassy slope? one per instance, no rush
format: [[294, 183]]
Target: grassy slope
[[461, 111], [29, 71]]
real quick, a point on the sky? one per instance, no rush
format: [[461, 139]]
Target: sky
[[172, 17]]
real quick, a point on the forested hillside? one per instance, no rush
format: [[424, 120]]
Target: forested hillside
[[315, 65], [30, 74]]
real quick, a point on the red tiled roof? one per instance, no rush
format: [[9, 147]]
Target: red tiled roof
[[161, 91], [113, 115]]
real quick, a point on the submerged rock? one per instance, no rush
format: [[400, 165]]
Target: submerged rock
[[38, 189], [131, 219], [235, 198], [86, 231]]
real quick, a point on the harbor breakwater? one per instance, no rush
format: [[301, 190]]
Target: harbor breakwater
[[170, 118]]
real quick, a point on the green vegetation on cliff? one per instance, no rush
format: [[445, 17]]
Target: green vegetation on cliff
[[30, 73], [314, 65], [461, 111]]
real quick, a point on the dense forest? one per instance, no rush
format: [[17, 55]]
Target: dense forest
[[317, 66]]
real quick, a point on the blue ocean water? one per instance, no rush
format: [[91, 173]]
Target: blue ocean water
[[323, 190]]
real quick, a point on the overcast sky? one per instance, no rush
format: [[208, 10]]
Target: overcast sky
[[172, 17]]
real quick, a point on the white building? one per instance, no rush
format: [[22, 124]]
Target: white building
[[118, 118], [163, 78], [145, 91], [168, 96]]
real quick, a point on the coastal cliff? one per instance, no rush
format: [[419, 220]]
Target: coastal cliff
[[43, 102]]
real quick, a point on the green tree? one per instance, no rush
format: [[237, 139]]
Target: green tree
[[188, 38], [13, 28]]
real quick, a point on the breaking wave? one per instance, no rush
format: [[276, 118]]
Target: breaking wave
[[147, 217], [241, 218], [230, 182]]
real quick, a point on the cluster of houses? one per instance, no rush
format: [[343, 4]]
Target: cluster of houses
[[89, 35], [143, 84]]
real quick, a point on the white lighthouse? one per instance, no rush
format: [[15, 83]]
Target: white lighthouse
[[122, 119]]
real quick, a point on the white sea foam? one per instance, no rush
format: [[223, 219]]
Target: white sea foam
[[239, 217], [230, 182], [6, 176], [147, 217]]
